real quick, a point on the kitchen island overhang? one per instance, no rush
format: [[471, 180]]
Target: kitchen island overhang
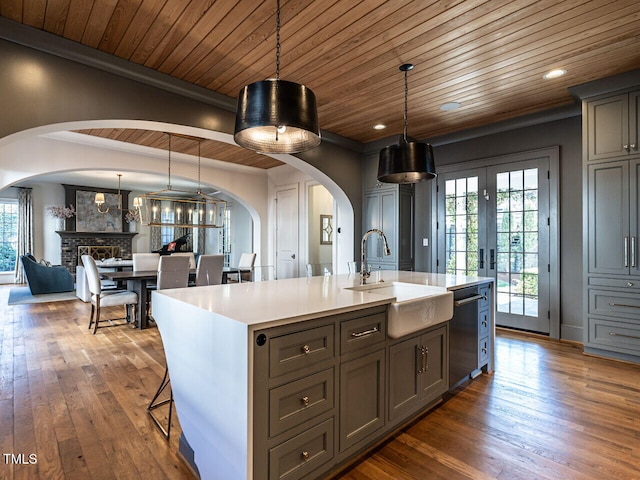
[[209, 339]]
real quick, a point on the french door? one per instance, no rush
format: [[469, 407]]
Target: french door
[[494, 222]]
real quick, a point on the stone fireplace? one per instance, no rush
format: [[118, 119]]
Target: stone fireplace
[[71, 243]]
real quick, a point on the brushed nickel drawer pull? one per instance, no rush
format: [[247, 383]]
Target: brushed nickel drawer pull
[[464, 301], [305, 455], [306, 349], [613, 334], [365, 333], [305, 400], [623, 305]]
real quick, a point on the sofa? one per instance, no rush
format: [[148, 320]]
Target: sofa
[[43, 277]]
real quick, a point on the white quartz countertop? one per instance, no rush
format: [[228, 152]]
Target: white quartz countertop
[[277, 302]]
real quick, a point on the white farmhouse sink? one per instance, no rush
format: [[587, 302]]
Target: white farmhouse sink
[[415, 306]]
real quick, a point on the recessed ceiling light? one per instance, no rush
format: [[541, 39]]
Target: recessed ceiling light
[[558, 72], [379, 127], [446, 107]]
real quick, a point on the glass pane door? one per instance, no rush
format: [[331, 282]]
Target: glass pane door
[[492, 222], [518, 239], [461, 207]]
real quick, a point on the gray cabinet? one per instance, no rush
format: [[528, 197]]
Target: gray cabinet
[[612, 229], [390, 208], [611, 126], [613, 212], [418, 372]]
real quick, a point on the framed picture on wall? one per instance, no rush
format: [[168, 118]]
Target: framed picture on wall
[[326, 229], [89, 219]]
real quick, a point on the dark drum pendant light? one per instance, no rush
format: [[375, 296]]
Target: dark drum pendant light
[[406, 161], [277, 116]]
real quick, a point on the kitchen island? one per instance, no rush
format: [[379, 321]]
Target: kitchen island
[[293, 378]]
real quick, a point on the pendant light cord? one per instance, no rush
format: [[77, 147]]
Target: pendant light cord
[[406, 104], [277, 39], [169, 176]]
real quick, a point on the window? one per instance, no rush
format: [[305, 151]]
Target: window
[[226, 240], [8, 234]]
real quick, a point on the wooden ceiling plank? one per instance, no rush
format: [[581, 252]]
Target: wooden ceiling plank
[[191, 65], [139, 26], [342, 57], [79, 12], [236, 38], [33, 13], [118, 24], [430, 81], [98, 22], [163, 23], [433, 51], [189, 18], [188, 48], [56, 16], [13, 10], [293, 32]]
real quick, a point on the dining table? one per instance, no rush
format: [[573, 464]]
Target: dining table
[[139, 281]]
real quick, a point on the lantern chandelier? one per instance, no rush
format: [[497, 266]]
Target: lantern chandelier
[[179, 208], [101, 203], [407, 161], [277, 116]]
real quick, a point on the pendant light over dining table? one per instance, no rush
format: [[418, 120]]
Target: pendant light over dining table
[[407, 161], [277, 116]]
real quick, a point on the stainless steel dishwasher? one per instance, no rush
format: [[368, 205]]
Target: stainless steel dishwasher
[[463, 335]]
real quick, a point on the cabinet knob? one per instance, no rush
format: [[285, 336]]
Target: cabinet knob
[[634, 146], [306, 349], [629, 284], [305, 400], [305, 455], [625, 147]]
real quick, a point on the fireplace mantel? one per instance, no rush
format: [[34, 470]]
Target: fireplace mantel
[[71, 233]]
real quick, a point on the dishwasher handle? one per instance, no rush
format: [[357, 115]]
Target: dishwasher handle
[[465, 301]]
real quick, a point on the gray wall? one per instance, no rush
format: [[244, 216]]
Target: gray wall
[[567, 133]]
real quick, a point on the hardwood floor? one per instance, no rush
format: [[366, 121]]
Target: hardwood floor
[[77, 401]]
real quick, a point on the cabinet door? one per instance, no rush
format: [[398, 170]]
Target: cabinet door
[[634, 123], [634, 217], [389, 224], [434, 379], [608, 222], [372, 220], [361, 398], [608, 127], [404, 390]]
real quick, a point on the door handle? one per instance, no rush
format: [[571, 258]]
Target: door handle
[[481, 264], [633, 252], [492, 259], [626, 251]]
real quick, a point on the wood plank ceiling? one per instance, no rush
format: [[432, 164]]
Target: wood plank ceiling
[[489, 56]]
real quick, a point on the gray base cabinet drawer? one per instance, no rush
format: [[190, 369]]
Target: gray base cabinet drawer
[[484, 320], [483, 351], [612, 335], [624, 304], [363, 332], [299, 401], [303, 453], [299, 350]]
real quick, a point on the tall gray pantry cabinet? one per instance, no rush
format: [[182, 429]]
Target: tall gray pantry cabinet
[[611, 175]]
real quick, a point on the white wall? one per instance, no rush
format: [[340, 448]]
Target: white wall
[[320, 202]]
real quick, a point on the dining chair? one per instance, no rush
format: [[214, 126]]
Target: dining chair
[[191, 255], [110, 298], [173, 272], [145, 261], [245, 267], [209, 270]]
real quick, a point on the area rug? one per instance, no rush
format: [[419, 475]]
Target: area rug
[[22, 295]]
